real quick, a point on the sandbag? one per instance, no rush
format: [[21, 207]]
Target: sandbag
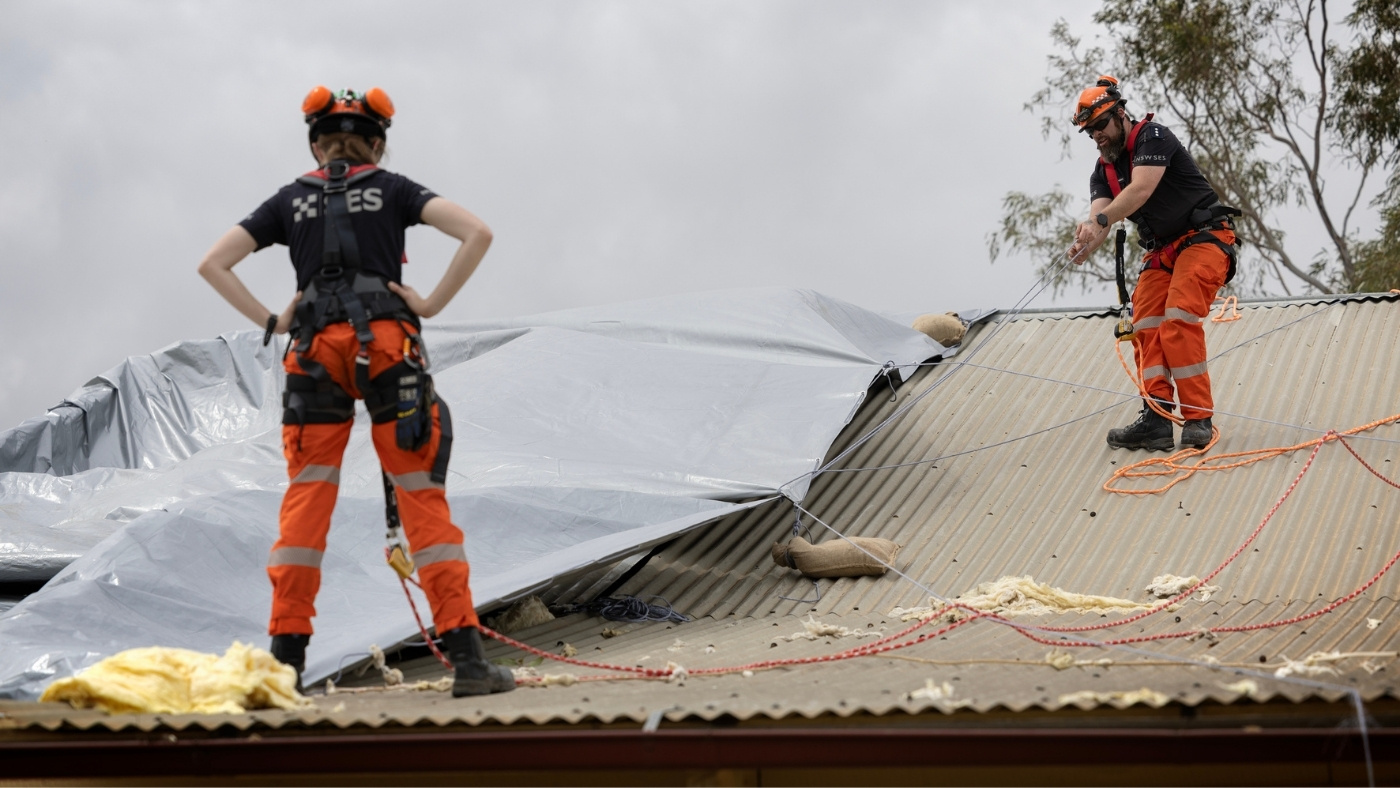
[[947, 330], [838, 557]]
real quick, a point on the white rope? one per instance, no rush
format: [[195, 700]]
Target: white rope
[[1126, 399], [1020, 305], [1131, 397]]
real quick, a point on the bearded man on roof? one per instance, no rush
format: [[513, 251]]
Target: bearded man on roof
[[356, 335], [1146, 176]]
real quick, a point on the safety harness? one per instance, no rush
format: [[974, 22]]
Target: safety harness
[[341, 290], [1203, 221]]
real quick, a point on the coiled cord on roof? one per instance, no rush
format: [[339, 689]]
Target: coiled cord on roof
[[629, 609]]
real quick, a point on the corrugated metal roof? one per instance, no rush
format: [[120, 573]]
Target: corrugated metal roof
[[1005, 461], [1035, 505]]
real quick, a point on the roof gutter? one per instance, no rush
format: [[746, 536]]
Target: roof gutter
[[620, 751]]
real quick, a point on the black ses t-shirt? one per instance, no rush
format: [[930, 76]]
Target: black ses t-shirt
[[1167, 213], [382, 205]]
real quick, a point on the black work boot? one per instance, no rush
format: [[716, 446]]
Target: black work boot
[[291, 650], [475, 676], [1151, 431], [1196, 433]]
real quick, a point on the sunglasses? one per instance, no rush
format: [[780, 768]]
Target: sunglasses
[[1100, 126]]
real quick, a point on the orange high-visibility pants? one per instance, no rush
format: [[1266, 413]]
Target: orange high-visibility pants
[[314, 453], [1168, 310]]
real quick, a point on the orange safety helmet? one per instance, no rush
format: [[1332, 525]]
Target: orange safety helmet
[[367, 114], [1097, 101]]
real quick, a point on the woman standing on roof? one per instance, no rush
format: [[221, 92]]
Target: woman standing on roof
[[355, 329]]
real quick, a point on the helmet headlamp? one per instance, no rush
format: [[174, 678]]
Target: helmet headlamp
[[1097, 101]]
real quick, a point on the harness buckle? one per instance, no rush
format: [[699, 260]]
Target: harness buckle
[[331, 271], [335, 176]]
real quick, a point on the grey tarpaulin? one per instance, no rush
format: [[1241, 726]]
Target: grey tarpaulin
[[581, 437]]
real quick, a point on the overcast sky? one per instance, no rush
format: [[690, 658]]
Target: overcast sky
[[619, 150]]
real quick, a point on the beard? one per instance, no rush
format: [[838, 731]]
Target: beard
[[1111, 150]]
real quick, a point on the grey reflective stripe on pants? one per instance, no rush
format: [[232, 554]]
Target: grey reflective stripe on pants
[[438, 553], [1189, 372], [1148, 322], [417, 480], [318, 473], [296, 556], [1181, 314], [1154, 372]]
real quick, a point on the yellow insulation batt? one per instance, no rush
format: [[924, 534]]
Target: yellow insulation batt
[[1023, 596], [180, 681], [1146, 696]]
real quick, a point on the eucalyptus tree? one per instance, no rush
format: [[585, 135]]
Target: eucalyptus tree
[[1277, 109]]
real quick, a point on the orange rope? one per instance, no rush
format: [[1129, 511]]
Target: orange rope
[[1233, 304], [1175, 464], [883, 645]]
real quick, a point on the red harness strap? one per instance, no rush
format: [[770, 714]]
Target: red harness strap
[[1112, 172]]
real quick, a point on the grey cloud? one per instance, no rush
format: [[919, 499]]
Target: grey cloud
[[619, 150]]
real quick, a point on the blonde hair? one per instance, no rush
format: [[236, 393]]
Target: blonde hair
[[349, 146]]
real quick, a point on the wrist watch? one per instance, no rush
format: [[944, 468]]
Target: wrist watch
[[271, 328], [1102, 219]]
